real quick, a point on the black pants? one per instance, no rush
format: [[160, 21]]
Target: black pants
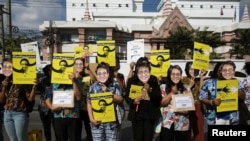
[[143, 130], [67, 129], [84, 116], [47, 121], [172, 135]]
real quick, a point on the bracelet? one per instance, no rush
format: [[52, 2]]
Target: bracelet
[[211, 103]]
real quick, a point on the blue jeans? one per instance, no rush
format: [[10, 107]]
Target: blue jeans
[[16, 125], [1, 126]]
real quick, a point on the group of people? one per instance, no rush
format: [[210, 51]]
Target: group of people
[[153, 107]]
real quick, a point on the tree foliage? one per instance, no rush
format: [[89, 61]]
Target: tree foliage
[[14, 43], [241, 43], [182, 39], [179, 41]]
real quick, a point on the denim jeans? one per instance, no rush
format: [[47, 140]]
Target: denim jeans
[[16, 125], [1, 126]]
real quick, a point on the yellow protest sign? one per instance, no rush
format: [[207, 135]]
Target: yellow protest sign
[[201, 56], [227, 91], [24, 67], [62, 66], [106, 52], [160, 62], [103, 107]]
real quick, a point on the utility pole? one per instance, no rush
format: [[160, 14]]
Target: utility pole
[[2, 31], [9, 21], [51, 38]]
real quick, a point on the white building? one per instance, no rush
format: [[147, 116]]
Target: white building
[[124, 20], [129, 13]]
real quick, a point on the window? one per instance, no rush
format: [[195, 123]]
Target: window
[[66, 37], [73, 4], [73, 19], [211, 6], [107, 5], [119, 5], [191, 6], [94, 5], [182, 6], [201, 6], [82, 4], [232, 6], [126, 5], [224, 6]]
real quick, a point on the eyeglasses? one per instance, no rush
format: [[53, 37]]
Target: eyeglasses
[[101, 73], [143, 72], [78, 64], [7, 67], [175, 74], [227, 70]]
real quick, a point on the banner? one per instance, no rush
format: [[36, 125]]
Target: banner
[[62, 66], [160, 62], [24, 67], [201, 56], [32, 47], [103, 107], [106, 52], [227, 91], [135, 50]]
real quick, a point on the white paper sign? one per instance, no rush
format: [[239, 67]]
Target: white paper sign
[[183, 102], [32, 47], [63, 99], [135, 50]]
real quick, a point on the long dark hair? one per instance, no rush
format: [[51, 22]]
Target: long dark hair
[[170, 83], [82, 73], [247, 68]]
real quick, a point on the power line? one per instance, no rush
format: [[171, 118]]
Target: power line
[[102, 5]]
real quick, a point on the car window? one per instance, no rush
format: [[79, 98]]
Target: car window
[[240, 74]]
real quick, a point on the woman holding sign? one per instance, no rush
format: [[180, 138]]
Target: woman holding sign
[[144, 105], [175, 124], [64, 101], [196, 117], [106, 95], [19, 100], [212, 96]]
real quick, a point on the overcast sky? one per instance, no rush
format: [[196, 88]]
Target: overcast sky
[[29, 14]]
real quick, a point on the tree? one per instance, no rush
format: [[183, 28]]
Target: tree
[[241, 43], [211, 39], [14, 43], [179, 41]]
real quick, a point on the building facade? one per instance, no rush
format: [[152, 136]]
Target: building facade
[[124, 20]]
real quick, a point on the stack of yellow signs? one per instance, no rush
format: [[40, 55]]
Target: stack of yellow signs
[[103, 107], [227, 91], [62, 66], [201, 56], [24, 67], [106, 52], [160, 62]]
